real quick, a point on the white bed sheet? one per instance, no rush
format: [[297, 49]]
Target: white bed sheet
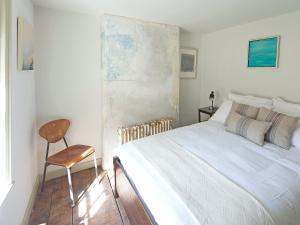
[[201, 174]]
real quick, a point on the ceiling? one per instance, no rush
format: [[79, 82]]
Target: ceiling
[[190, 15]]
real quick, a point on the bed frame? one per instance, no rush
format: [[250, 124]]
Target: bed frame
[[125, 190], [135, 208]]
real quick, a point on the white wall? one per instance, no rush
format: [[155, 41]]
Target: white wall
[[68, 79], [68, 82], [224, 66], [138, 79], [23, 156], [189, 99]]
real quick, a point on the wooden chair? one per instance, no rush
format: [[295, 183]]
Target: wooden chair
[[53, 132]]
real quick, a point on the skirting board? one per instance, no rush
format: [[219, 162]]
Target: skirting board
[[28, 210], [62, 171]]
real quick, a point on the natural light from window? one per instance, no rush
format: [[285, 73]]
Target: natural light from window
[[4, 104], [2, 129]]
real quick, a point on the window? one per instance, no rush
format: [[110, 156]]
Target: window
[[5, 180]]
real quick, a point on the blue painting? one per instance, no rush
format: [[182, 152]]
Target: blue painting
[[263, 52], [187, 63]]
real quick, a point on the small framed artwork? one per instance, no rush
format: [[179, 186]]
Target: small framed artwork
[[188, 63], [264, 52], [25, 45]]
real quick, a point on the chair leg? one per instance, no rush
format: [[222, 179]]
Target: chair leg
[[70, 187], [96, 167], [44, 176]]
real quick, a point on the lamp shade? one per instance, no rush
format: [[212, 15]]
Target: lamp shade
[[211, 96]]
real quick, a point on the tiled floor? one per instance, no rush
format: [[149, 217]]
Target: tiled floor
[[95, 205]]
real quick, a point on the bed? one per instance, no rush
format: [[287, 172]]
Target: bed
[[202, 174]]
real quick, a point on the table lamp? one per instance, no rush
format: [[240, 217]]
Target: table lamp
[[212, 98]]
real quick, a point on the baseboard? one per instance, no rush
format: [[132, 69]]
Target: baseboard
[[29, 207], [62, 171]]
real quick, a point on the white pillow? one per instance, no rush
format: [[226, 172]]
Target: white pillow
[[251, 100], [296, 136], [290, 109], [222, 113]]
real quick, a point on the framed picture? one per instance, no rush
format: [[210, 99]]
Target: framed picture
[[188, 63], [264, 52], [25, 45]]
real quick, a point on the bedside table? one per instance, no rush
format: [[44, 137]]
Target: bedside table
[[206, 110]]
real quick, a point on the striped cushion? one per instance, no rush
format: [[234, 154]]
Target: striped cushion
[[249, 128], [282, 127], [244, 110]]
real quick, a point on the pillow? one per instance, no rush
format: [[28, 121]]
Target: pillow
[[245, 110], [251, 100], [249, 128], [282, 127], [222, 113], [296, 136], [290, 109]]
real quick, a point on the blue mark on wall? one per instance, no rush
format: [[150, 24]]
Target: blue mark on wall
[[263, 52], [112, 72], [124, 40], [118, 48]]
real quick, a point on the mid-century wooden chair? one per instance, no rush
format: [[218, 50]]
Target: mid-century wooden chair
[[53, 132]]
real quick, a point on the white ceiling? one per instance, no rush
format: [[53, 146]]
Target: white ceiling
[[191, 15]]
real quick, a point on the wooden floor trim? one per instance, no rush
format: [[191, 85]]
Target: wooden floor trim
[[31, 200]]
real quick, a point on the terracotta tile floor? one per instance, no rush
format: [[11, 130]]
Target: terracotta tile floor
[[95, 205]]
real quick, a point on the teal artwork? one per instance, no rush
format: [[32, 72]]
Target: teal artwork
[[263, 52], [187, 63]]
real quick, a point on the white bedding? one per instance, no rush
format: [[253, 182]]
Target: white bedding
[[201, 174]]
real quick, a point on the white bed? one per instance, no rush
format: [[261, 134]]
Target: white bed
[[201, 174]]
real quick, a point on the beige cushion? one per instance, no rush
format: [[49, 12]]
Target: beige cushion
[[282, 127], [249, 128], [244, 110]]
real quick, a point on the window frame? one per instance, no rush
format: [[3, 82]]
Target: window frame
[[5, 74]]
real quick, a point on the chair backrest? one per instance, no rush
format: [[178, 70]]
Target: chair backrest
[[55, 130]]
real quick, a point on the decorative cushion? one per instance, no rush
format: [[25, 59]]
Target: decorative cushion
[[246, 127], [244, 110], [290, 109], [282, 127]]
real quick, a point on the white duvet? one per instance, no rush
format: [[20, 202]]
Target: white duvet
[[201, 174]]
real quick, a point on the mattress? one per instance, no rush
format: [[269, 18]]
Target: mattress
[[201, 174]]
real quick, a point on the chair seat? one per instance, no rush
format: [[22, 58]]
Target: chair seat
[[71, 155]]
